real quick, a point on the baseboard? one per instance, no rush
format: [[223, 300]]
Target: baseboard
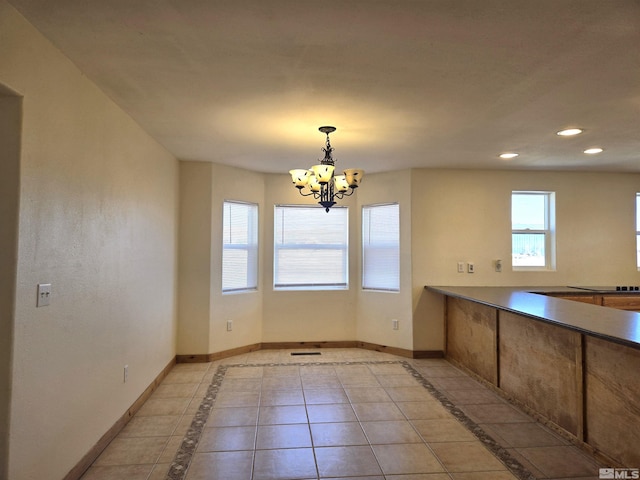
[[234, 351], [83, 465], [428, 354], [195, 358], [322, 344], [401, 352]]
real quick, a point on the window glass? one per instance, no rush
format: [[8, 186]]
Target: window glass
[[239, 246], [310, 248], [532, 229], [381, 247]]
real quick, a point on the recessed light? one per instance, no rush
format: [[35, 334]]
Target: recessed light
[[509, 155], [592, 151], [569, 132]]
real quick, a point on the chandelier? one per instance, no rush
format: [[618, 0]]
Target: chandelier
[[321, 181]]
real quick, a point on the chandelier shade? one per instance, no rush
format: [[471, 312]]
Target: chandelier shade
[[354, 176], [314, 185], [300, 177], [342, 185], [320, 180]]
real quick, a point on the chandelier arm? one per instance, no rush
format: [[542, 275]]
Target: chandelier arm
[[305, 194], [346, 194]]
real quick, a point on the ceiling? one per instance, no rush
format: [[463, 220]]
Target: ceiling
[[407, 83]]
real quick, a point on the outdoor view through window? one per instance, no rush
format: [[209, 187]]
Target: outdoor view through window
[[531, 229]]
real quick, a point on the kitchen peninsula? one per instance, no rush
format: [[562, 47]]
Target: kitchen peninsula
[[574, 364]]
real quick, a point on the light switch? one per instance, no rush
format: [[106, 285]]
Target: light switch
[[44, 294]]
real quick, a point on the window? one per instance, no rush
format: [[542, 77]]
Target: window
[[638, 230], [532, 230], [310, 248], [239, 247], [381, 247]]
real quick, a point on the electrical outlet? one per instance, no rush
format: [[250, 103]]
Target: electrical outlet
[[498, 266], [470, 267], [126, 373], [395, 324], [229, 325], [460, 267]]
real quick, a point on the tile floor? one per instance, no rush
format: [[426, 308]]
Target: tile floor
[[345, 414]]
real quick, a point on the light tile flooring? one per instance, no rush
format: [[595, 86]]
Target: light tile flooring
[[346, 413]]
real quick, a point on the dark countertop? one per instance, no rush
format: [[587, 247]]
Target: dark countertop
[[608, 323]]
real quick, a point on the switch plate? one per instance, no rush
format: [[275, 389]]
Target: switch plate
[[229, 325], [470, 267], [460, 267], [498, 266], [395, 324], [44, 294], [126, 373]]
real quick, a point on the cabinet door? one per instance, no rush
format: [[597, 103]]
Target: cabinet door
[[623, 302], [594, 299]]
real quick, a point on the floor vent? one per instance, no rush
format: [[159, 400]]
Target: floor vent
[[306, 353]]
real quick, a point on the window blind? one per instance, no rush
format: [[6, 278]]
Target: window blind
[[310, 247], [381, 247], [239, 246]]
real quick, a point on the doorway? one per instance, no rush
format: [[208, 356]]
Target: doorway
[[10, 146]]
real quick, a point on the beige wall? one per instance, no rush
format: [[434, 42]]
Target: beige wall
[[204, 309], [280, 316], [194, 265], [464, 215], [243, 309], [98, 220], [10, 128], [298, 316], [376, 310], [263, 315], [446, 216]]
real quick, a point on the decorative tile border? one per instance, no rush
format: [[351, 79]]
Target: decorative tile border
[[182, 460], [494, 447]]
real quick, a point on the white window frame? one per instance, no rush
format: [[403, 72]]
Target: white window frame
[[229, 244], [314, 220], [378, 255], [548, 231]]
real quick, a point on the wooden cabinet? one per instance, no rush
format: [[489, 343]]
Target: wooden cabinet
[[578, 383], [594, 299], [614, 300], [623, 302]]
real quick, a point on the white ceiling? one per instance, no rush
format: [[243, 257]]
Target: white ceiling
[[407, 83]]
